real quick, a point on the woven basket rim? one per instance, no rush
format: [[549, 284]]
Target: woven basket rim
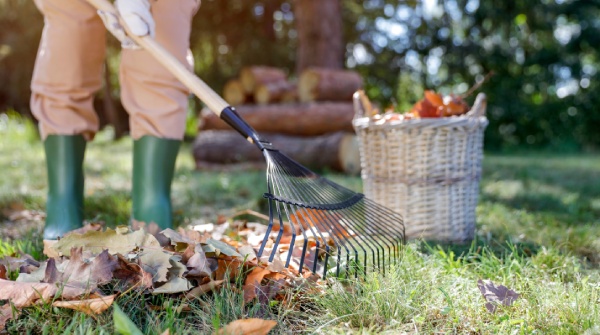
[[453, 121], [475, 115]]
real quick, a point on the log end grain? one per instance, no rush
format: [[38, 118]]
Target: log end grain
[[251, 76], [233, 92]]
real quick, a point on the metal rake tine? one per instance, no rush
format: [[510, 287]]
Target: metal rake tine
[[282, 190], [301, 217], [374, 246], [300, 192], [326, 194], [369, 220]]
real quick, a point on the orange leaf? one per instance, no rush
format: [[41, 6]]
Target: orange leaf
[[227, 266], [3, 274], [256, 276], [428, 109], [434, 99], [88, 306], [455, 106], [320, 221], [248, 327], [252, 282]]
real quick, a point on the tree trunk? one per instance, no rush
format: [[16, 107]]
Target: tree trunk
[[293, 119], [319, 84], [337, 151], [320, 36]]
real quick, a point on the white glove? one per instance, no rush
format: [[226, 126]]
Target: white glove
[[137, 17]]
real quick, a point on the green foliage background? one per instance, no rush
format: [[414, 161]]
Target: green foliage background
[[544, 55]]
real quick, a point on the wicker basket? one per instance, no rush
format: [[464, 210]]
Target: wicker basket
[[426, 169]]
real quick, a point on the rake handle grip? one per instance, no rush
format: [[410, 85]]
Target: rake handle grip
[[214, 101]]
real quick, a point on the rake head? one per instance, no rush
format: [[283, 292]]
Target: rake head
[[320, 226]]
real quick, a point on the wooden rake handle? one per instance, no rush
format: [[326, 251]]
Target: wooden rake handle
[[213, 100]]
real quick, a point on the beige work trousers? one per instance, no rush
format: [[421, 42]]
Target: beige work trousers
[[69, 65]]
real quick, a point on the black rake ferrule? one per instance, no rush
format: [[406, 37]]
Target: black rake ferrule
[[232, 118], [327, 207]]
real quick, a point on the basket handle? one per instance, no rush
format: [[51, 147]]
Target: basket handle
[[479, 107], [362, 105]]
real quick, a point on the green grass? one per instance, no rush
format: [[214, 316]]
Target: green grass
[[538, 232]]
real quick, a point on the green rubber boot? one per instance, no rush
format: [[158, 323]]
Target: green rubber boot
[[153, 168], [64, 163]]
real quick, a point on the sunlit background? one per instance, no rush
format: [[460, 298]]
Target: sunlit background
[[544, 55]]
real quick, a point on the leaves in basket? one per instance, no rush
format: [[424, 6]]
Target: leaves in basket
[[434, 105]]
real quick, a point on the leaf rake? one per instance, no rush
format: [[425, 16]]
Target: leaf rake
[[314, 223]]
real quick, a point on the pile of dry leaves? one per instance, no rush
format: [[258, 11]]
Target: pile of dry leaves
[[186, 262]]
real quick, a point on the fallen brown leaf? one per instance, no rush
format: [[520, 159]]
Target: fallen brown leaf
[[3, 272], [6, 314], [496, 294], [248, 327], [231, 267], [36, 276], [88, 306], [156, 261], [247, 252], [121, 240], [26, 294], [176, 283], [198, 265], [88, 227], [79, 272], [193, 235], [179, 242], [253, 282], [187, 253], [203, 289], [23, 263], [151, 228], [131, 274], [276, 265], [49, 250]]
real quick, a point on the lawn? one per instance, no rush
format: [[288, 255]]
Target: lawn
[[538, 233]]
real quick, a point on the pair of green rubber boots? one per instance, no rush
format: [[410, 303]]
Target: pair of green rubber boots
[[153, 168]]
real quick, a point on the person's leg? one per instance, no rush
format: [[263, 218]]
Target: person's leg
[[68, 70], [157, 103]]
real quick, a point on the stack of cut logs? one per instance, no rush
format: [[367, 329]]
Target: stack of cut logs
[[310, 121]]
